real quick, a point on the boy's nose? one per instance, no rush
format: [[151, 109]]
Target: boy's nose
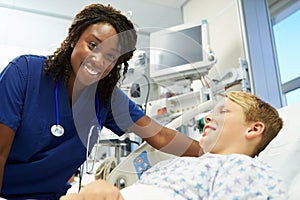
[[207, 118]]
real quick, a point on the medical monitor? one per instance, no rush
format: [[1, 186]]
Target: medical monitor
[[180, 52]]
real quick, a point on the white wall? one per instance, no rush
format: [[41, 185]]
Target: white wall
[[40, 26], [44, 24], [29, 30], [25, 33], [224, 28]]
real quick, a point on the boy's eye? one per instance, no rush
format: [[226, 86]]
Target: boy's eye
[[224, 111]]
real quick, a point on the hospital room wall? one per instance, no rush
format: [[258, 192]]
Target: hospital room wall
[[25, 32], [39, 26], [224, 30]]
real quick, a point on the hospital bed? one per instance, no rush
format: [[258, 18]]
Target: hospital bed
[[283, 153], [144, 157]]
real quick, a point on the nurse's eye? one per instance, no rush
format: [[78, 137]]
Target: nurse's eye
[[110, 57], [92, 45]]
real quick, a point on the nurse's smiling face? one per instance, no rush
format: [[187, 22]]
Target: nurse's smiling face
[[95, 53]]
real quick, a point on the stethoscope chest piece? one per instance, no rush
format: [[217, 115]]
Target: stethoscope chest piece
[[57, 130]]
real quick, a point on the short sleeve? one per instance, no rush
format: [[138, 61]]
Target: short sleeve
[[123, 113], [12, 90]]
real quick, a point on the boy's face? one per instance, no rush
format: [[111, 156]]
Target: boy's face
[[224, 128]]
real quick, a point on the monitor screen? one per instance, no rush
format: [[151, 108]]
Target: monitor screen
[[179, 47], [179, 52]]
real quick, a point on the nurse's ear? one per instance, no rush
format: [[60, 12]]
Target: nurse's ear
[[255, 130]]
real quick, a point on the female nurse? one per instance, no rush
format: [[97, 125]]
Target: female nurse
[[49, 105]]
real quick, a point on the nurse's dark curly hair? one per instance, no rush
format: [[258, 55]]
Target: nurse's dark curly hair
[[60, 62]]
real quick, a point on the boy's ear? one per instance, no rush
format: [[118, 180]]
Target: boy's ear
[[255, 129]]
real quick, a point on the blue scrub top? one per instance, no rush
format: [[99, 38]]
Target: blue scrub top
[[39, 164]]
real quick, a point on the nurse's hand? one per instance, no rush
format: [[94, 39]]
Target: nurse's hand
[[96, 190]]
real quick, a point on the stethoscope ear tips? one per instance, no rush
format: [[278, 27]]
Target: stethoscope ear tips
[[57, 130]]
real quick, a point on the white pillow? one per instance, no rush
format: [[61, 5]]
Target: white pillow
[[283, 153], [293, 193]]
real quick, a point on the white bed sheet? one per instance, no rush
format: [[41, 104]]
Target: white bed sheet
[[146, 192]]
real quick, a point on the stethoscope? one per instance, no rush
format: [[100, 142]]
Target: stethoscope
[[57, 130]]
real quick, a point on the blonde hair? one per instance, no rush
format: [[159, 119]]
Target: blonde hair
[[256, 110]]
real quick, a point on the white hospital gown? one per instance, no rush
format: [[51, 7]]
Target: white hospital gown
[[214, 176]]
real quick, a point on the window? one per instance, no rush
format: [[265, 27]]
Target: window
[[286, 37]]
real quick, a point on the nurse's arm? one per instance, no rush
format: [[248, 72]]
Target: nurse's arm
[[6, 139], [165, 139]]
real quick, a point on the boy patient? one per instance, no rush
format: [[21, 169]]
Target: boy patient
[[239, 128]]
